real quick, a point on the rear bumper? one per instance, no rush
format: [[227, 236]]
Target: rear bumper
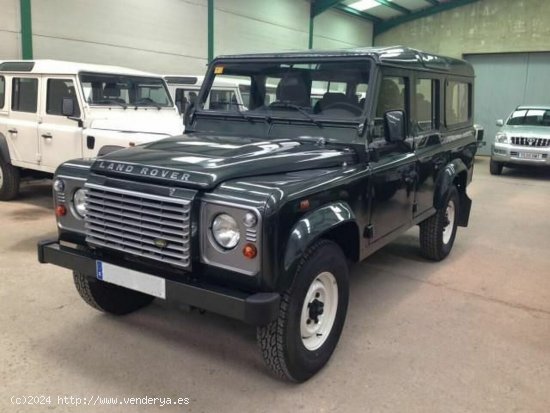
[[256, 309]]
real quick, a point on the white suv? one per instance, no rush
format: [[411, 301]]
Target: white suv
[[53, 111]]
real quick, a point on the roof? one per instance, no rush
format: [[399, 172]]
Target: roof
[[535, 107], [401, 56], [387, 14], [65, 67]]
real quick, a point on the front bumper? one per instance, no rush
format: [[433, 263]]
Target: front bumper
[[256, 309], [514, 154]]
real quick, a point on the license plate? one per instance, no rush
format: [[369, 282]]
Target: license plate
[[528, 155], [133, 280]]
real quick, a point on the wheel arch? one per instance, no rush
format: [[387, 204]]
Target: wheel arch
[[4, 149], [335, 222], [455, 173]]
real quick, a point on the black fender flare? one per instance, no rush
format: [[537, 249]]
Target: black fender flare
[[310, 228], [4, 149], [446, 178]]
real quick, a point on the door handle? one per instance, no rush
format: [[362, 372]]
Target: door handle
[[12, 130], [47, 135]]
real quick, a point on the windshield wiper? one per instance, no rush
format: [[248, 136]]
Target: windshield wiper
[[299, 109], [238, 107], [104, 101]]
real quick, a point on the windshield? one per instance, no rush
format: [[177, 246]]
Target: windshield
[[530, 117], [307, 90], [120, 90]]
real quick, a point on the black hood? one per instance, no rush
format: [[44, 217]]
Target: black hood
[[202, 161]]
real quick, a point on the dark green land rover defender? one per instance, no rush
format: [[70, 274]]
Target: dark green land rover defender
[[258, 209]]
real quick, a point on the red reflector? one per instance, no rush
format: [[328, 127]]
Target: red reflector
[[304, 204], [250, 251], [60, 211]]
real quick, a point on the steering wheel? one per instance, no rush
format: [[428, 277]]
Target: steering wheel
[[346, 106]]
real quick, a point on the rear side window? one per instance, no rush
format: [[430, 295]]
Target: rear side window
[[59, 89], [2, 91], [24, 94], [457, 103]]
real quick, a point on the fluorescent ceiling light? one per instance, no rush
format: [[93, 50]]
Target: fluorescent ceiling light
[[364, 4]]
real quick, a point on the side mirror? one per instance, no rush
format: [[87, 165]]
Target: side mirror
[[394, 126], [67, 108], [500, 122]]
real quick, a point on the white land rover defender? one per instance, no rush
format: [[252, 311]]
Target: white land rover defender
[[52, 111]]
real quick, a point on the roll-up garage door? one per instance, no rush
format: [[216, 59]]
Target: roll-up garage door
[[505, 81]]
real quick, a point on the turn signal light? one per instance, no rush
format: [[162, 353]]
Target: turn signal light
[[250, 251], [60, 211]]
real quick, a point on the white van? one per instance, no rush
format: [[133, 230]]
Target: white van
[[185, 90], [52, 111]]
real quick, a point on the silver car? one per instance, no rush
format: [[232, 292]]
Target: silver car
[[524, 139]]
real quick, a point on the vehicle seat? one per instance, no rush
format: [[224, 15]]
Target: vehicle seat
[[293, 89], [389, 98], [112, 91]]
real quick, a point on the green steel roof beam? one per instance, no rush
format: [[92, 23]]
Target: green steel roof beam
[[210, 24], [434, 2], [391, 23], [26, 29], [320, 6], [394, 6], [357, 13]]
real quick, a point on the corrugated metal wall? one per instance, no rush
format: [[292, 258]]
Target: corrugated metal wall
[[505, 81], [171, 36]]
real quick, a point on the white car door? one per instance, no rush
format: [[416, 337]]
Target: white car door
[[22, 121], [60, 137]]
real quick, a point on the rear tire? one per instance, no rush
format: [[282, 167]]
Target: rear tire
[[437, 233], [495, 167], [311, 315], [109, 298], [9, 181]]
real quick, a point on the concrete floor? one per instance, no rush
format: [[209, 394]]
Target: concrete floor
[[471, 334]]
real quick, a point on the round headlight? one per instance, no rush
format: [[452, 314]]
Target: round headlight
[[79, 202], [59, 185], [226, 231]]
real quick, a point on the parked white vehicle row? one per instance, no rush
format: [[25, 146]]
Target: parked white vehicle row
[[52, 111]]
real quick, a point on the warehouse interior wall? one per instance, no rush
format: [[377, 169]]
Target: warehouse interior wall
[[10, 29], [486, 26], [171, 36]]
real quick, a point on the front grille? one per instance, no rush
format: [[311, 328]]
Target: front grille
[[149, 226], [534, 142]]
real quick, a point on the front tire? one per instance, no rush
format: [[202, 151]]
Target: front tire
[[109, 298], [437, 233], [311, 315], [495, 168], [9, 180]]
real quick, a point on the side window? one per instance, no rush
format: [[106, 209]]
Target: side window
[[392, 96], [24, 94], [457, 103], [426, 104], [2, 91], [59, 89]]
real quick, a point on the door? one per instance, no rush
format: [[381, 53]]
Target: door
[[60, 138], [22, 123], [426, 97], [391, 189], [504, 82]]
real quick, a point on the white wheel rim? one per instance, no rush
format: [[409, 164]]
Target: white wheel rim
[[316, 324], [1, 177], [450, 217]]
